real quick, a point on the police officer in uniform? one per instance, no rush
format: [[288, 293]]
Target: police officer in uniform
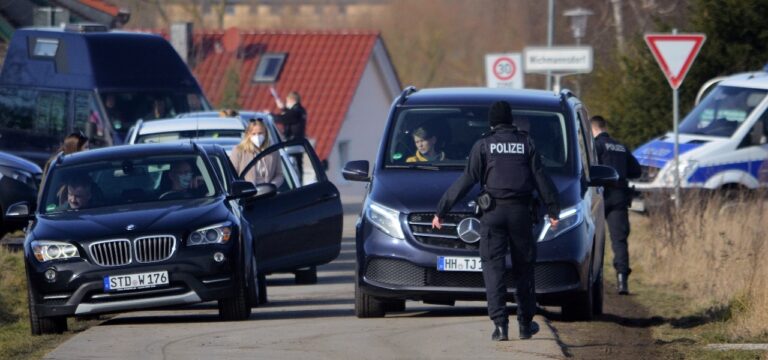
[[617, 199], [507, 166]]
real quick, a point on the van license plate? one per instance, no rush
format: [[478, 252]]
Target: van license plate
[[135, 281], [457, 263]]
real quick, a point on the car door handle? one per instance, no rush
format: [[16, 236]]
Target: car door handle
[[328, 196]]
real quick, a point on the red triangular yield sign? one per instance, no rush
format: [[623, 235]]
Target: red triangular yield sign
[[675, 53]]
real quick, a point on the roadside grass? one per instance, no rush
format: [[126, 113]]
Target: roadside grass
[[16, 342], [701, 275]]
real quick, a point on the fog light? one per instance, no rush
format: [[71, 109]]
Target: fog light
[[50, 275], [218, 257]]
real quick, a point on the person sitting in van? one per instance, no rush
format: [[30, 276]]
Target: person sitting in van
[[255, 140], [73, 143], [426, 151], [159, 110]]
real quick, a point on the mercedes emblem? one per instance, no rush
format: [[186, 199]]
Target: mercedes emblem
[[469, 230]]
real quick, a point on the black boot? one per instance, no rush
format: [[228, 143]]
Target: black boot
[[528, 329], [501, 332], [622, 284]]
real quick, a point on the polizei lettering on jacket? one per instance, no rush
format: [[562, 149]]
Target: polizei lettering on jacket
[[507, 148]]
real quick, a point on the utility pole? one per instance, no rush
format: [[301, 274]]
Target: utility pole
[[550, 31], [617, 19]]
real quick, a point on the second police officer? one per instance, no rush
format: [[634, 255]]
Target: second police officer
[[509, 169], [617, 199]]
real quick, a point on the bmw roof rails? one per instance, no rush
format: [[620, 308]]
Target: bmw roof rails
[[406, 92]]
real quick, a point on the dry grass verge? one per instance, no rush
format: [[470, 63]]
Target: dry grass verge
[[713, 252]]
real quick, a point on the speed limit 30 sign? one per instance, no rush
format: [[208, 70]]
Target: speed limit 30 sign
[[504, 70]]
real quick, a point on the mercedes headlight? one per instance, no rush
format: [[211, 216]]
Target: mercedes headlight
[[21, 176], [687, 168], [214, 234], [53, 250], [569, 219], [385, 219]]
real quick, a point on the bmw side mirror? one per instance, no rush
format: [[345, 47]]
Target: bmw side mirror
[[356, 171], [601, 175], [266, 190], [19, 211], [242, 189]]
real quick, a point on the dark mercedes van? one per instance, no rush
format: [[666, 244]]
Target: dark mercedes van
[[82, 77], [401, 257]]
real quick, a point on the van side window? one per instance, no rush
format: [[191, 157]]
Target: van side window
[[90, 120], [32, 119], [758, 135]]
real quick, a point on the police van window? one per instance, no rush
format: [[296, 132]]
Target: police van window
[[32, 119], [722, 111], [442, 137], [90, 120]]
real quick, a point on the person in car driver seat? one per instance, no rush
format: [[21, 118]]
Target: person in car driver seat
[[425, 142]]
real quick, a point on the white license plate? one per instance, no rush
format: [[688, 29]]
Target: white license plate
[[459, 263], [135, 281]]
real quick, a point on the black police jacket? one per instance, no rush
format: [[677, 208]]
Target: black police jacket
[[506, 163], [294, 122], [614, 154]]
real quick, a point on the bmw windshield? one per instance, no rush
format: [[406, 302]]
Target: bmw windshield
[[123, 181], [433, 138]]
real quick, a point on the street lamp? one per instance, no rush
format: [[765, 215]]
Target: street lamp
[[578, 18]]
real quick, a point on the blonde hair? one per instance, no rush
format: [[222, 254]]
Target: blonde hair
[[246, 145]]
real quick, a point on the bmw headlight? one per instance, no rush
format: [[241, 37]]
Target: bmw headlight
[[19, 175], [214, 234], [53, 250], [569, 219], [385, 219]]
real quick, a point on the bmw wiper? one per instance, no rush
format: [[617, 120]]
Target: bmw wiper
[[415, 166]]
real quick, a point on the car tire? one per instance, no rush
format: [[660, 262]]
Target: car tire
[[306, 276], [43, 325], [262, 280], [581, 306], [238, 307], [597, 297], [367, 306]]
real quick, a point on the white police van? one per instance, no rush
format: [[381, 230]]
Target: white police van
[[723, 142]]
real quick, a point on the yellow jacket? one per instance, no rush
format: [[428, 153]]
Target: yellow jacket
[[420, 158]]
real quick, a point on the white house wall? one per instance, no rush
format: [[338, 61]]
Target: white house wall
[[364, 125]]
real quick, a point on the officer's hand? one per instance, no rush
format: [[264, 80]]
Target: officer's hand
[[553, 223], [437, 223]]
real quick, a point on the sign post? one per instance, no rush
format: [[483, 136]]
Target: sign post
[[675, 54], [504, 70], [559, 61]]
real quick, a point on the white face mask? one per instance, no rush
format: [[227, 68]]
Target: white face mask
[[258, 139]]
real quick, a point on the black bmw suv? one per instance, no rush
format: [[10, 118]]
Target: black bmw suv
[[145, 226], [425, 148]]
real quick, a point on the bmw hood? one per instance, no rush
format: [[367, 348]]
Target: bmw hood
[[166, 217], [410, 191]]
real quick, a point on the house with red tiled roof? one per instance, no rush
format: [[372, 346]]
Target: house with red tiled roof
[[345, 78]]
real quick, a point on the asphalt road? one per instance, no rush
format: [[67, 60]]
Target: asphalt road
[[308, 322]]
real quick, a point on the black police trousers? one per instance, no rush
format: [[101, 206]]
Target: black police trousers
[[508, 226], [617, 216]]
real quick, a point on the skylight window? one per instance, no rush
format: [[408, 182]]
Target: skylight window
[[45, 47], [269, 67]]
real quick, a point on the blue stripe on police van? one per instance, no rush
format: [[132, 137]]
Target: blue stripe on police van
[[702, 174], [657, 152]]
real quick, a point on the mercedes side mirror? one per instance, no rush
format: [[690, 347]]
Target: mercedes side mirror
[[19, 211], [242, 189], [356, 171], [601, 175]]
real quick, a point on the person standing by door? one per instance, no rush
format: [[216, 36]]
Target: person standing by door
[[617, 199]]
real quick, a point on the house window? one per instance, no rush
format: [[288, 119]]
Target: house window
[[269, 67], [343, 152]]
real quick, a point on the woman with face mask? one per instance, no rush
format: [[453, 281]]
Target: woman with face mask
[[255, 140]]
